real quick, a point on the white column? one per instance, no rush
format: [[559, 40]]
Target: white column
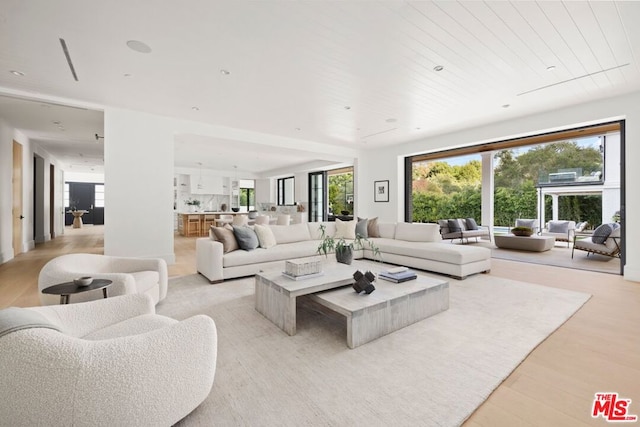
[[554, 207], [541, 209], [487, 190]]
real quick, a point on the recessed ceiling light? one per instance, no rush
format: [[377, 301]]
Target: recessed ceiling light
[[298, 129], [506, 106], [418, 128], [346, 107], [17, 73], [551, 67], [127, 75], [438, 68], [225, 72], [138, 46], [391, 120], [57, 122], [195, 108]]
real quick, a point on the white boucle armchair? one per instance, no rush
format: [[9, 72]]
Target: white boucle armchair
[[113, 363], [129, 276]]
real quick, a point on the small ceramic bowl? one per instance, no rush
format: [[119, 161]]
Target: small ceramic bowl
[[83, 281]]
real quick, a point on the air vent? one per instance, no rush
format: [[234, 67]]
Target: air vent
[[66, 55]]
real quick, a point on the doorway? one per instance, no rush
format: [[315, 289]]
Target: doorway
[[85, 196], [16, 206]]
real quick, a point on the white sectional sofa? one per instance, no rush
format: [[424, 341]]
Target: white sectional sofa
[[412, 245]]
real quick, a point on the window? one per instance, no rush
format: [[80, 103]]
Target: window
[[247, 195], [340, 191], [66, 195], [286, 191], [99, 196]]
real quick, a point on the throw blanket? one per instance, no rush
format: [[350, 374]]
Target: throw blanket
[[14, 319]]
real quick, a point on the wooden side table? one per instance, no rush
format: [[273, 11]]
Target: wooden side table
[[69, 288]]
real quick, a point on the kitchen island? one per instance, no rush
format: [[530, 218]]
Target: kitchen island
[[203, 217]]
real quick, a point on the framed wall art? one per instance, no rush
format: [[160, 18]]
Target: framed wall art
[[381, 191]]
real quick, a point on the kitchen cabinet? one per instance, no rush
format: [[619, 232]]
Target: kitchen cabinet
[[206, 184]]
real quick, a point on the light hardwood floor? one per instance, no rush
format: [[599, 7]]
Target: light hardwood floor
[[597, 350]]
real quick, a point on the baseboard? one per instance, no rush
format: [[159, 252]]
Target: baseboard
[[6, 256], [631, 274]]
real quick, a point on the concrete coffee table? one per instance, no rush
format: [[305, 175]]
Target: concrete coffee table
[[390, 307], [524, 243]]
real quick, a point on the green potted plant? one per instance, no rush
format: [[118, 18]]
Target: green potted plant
[[522, 231], [343, 249]]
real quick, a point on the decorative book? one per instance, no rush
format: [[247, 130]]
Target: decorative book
[[303, 266]]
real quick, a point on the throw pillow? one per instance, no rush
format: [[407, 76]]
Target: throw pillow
[[345, 229], [471, 224], [246, 237], [265, 236], [361, 228], [225, 236], [212, 235], [558, 226], [454, 226], [372, 227], [601, 234]]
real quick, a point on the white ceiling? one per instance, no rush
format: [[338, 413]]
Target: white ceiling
[[357, 74]]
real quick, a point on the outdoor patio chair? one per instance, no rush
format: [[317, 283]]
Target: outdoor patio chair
[[531, 223], [563, 231], [600, 242]]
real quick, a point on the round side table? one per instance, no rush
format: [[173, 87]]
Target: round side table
[[69, 288]]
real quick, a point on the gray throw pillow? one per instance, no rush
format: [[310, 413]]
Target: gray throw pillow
[[601, 233], [246, 237], [454, 226], [471, 224], [558, 226], [361, 227]]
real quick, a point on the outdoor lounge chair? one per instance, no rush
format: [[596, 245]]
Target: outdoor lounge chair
[[462, 229], [610, 246], [563, 231]]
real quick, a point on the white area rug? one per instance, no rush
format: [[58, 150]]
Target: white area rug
[[435, 372]]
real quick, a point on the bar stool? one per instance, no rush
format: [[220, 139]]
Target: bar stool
[[207, 222], [193, 225]]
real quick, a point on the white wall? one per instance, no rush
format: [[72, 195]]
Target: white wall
[[95, 178], [138, 155], [6, 191], [379, 164]]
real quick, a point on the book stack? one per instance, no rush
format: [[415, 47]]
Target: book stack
[[303, 268], [398, 274]]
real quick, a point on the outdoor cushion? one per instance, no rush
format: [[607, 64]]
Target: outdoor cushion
[[558, 226], [454, 226], [246, 238], [471, 224], [601, 233]]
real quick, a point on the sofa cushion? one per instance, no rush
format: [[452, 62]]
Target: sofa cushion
[[436, 251], [361, 228], [265, 236], [372, 227], [316, 233], [558, 227], [290, 233], [386, 230], [345, 229], [280, 252], [411, 232], [225, 236], [246, 237], [133, 326]]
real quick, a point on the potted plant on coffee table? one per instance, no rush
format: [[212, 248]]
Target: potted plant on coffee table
[[342, 248]]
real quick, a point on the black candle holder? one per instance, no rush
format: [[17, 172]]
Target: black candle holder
[[363, 282]]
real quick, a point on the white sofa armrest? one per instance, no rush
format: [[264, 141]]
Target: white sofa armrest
[[209, 254], [78, 320]]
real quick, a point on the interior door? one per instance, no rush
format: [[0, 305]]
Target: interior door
[[16, 207], [52, 200]]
